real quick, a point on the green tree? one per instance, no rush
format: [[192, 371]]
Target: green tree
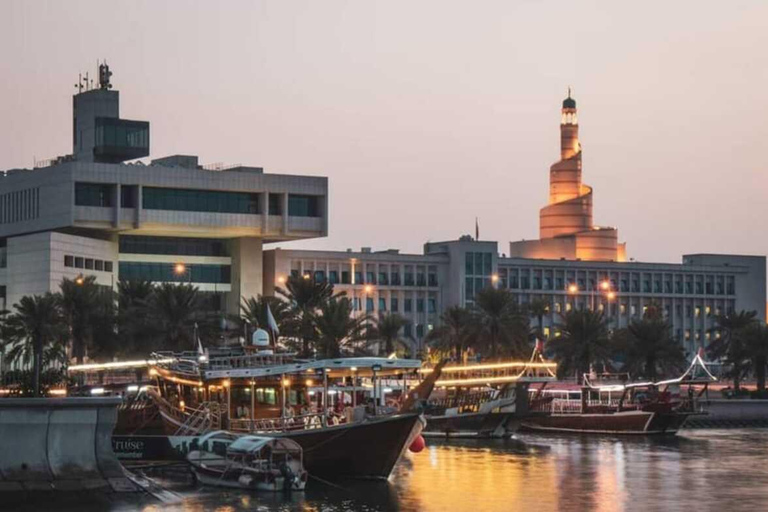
[[386, 331], [176, 308], [135, 329], [583, 342], [338, 329], [501, 323], [254, 311], [648, 348], [305, 296], [539, 307], [456, 333], [729, 347], [755, 338], [87, 314], [35, 326]]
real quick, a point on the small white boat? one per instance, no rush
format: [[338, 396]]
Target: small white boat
[[224, 459]]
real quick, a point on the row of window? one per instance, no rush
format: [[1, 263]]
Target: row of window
[[633, 310], [515, 279], [192, 200], [167, 272], [173, 246], [20, 205], [394, 305], [478, 263], [87, 263], [380, 278]]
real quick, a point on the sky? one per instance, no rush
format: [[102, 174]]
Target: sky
[[427, 114]]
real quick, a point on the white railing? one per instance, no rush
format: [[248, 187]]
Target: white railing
[[301, 422]]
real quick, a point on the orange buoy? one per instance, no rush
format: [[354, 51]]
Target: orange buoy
[[418, 444]]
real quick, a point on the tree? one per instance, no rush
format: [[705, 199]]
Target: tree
[[386, 330], [35, 326], [81, 304], [176, 309], [648, 348], [456, 333], [501, 323], [337, 328], [305, 296], [583, 342], [254, 311], [729, 347], [135, 328], [539, 307], [755, 338]]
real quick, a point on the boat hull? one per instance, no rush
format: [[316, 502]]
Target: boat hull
[[368, 449], [625, 422]]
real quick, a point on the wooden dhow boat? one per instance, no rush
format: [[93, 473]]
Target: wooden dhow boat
[[640, 408]]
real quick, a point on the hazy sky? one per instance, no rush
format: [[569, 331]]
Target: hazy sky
[[425, 114]]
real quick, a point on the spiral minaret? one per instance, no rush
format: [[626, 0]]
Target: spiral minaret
[[566, 229]]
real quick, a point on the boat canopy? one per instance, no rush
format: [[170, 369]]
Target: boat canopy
[[341, 367]]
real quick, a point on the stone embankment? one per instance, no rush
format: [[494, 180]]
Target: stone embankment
[[723, 413]]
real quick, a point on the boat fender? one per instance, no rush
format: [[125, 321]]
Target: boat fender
[[418, 444]]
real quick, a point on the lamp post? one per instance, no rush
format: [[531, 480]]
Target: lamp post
[[180, 269]]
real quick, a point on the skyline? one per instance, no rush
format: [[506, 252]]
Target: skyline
[[396, 109]]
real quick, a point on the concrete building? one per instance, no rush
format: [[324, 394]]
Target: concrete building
[[566, 229], [420, 287], [89, 213]]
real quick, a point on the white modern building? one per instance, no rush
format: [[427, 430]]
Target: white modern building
[[89, 213]]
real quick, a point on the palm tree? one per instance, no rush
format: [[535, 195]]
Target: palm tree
[[176, 309], [756, 351], [254, 311], [501, 322], [729, 347], [386, 329], [456, 333], [539, 307], [305, 296], [648, 347], [583, 342], [35, 325], [135, 329], [80, 300], [337, 328]]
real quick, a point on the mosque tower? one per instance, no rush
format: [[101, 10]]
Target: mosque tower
[[566, 227]]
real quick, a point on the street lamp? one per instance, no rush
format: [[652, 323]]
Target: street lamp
[[180, 269], [79, 280], [494, 279]]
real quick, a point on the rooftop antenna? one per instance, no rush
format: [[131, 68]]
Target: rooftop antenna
[[569, 91], [79, 84], [104, 76]]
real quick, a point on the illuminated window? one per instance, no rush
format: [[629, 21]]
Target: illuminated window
[[568, 306], [697, 311], [546, 332]]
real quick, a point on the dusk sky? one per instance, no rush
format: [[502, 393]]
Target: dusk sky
[[426, 114]]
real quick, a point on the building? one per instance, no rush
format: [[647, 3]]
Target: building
[[172, 220], [566, 229], [575, 264]]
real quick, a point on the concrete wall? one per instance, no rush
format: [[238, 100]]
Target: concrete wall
[[59, 444], [247, 272]]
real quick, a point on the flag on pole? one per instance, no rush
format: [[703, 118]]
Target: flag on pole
[[200, 350], [272, 323], [477, 229]]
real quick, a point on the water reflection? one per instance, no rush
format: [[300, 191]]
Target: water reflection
[[703, 470]]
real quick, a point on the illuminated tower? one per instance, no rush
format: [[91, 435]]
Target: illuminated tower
[[570, 202]]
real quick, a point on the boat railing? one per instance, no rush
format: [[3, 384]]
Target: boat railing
[[288, 424], [200, 419], [249, 361], [469, 402]]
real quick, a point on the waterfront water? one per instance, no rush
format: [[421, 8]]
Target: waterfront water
[[705, 470]]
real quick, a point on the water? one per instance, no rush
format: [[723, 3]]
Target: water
[[704, 470]]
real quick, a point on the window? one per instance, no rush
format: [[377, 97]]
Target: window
[[333, 276], [93, 194], [358, 277], [151, 271], [408, 305], [303, 206], [432, 279], [320, 276], [79, 263], [469, 263], [89, 263], [382, 304], [421, 279], [369, 304], [383, 278], [431, 305], [393, 305], [345, 277], [419, 330], [107, 266], [357, 303], [98, 264], [69, 261], [395, 278], [408, 278], [419, 305], [370, 278], [190, 200], [174, 245], [275, 207]]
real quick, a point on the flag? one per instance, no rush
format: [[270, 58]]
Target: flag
[[477, 229], [272, 323], [200, 350]]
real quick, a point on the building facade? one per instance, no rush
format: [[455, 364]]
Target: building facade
[[420, 287], [172, 220]]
